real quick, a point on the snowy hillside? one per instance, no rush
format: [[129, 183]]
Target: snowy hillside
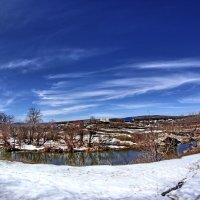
[[139, 181]]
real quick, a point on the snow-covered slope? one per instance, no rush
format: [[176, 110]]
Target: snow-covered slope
[[130, 182]]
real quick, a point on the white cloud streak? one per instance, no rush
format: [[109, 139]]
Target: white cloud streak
[[20, 64], [63, 111], [5, 103], [135, 86], [70, 75], [174, 64], [66, 55], [170, 64], [113, 89], [190, 100], [66, 93], [136, 106]]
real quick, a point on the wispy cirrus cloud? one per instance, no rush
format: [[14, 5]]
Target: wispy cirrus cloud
[[10, 98], [112, 89], [60, 84], [51, 57], [23, 64], [5, 103], [64, 97], [171, 64], [77, 54], [135, 86], [190, 100], [70, 75], [97, 87], [136, 105], [63, 111]]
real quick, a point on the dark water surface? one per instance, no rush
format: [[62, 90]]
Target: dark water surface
[[184, 147], [112, 157]]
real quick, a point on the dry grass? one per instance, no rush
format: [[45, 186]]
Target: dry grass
[[192, 151], [124, 137]]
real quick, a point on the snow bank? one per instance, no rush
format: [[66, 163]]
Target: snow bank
[[129, 182], [30, 147]]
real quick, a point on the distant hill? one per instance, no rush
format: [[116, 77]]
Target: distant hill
[[157, 117], [128, 119]]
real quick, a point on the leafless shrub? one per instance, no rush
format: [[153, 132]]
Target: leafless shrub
[[5, 126], [69, 135]]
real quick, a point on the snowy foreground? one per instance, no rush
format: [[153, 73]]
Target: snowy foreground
[[134, 182]]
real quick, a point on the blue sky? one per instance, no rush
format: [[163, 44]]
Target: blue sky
[[110, 58]]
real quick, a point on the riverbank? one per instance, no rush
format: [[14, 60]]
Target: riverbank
[[85, 157], [111, 157], [139, 181]]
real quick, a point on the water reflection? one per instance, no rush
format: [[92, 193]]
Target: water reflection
[[112, 157], [184, 147]]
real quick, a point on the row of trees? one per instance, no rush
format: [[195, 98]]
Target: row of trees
[[28, 133], [34, 132]]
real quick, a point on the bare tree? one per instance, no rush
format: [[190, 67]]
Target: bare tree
[[53, 131], [70, 133], [4, 118], [92, 131], [34, 116], [5, 126], [13, 134]]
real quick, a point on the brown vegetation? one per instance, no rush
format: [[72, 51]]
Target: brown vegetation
[[159, 139]]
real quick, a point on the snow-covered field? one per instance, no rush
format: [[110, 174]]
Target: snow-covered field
[[130, 182]]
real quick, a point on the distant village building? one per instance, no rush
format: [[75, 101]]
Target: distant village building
[[155, 119], [104, 120]]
